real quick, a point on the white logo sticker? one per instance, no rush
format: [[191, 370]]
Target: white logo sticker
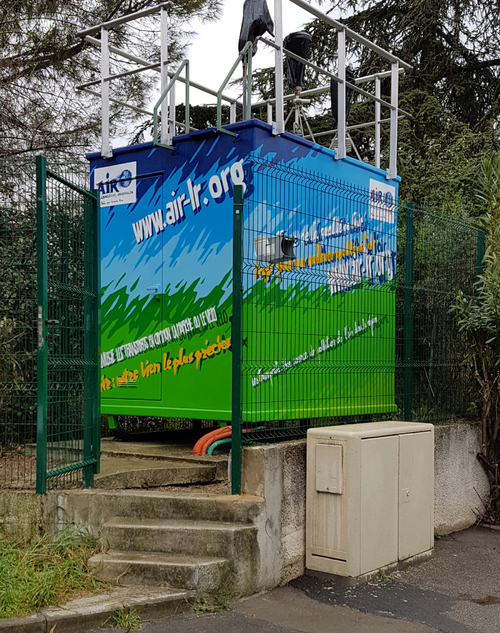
[[117, 184], [382, 202]]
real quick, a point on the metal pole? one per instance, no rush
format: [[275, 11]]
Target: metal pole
[[248, 115], [341, 148], [377, 121], [245, 93], [106, 151], [164, 76], [392, 172], [97, 346], [90, 384], [269, 113], [236, 340], [171, 126], [42, 292], [187, 117], [279, 126], [232, 112], [408, 313]]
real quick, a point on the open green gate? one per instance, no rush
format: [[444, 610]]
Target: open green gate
[[68, 420]]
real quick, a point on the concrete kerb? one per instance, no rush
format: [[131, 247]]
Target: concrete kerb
[[92, 612]]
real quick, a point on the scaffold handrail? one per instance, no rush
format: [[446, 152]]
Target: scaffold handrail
[[164, 95]]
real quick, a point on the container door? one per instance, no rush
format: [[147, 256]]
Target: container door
[[132, 286]]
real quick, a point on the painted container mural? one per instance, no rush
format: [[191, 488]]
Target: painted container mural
[[312, 317]]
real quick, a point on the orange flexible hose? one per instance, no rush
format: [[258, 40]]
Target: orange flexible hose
[[224, 432], [201, 441]]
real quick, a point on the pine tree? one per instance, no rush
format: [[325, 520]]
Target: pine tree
[[42, 60]]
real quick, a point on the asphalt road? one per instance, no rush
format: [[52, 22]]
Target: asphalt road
[[457, 591]]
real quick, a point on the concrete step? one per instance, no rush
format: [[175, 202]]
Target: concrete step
[[102, 505], [93, 612], [202, 574], [198, 538], [163, 450], [123, 473]]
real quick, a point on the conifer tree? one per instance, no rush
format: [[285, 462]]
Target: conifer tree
[[42, 60]]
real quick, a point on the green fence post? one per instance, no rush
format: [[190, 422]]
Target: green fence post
[[408, 313], [42, 362], [97, 338], [90, 380], [236, 340]]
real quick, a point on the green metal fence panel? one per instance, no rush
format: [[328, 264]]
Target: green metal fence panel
[[445, 260], [49, 328], [71, 339], [421, 368], [18, 323]]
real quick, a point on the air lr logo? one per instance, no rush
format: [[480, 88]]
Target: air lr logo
[[382, 202], [123, 181], [116, 184]]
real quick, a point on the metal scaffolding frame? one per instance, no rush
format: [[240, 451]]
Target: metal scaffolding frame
[[164, 109]]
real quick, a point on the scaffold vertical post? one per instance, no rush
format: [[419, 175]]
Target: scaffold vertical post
[[164, 77], [279, 125], [341, 147], [377, 121], [106, 147], [392, 172]]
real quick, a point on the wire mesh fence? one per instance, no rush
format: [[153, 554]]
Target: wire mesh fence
[[48, 328], [18, 333], [71, 333], [345, 306]]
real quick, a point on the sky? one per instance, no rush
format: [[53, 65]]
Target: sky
[[215, 47]]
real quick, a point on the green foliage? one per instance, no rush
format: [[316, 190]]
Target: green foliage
[[382, 577], [479, 318], [203, 606], [127, 619], [453, 46], [45, 572]]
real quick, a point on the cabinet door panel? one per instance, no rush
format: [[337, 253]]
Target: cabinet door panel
[[379, 502], [416, 481]]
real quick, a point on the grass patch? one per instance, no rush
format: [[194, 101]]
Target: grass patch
[[127, 619], [45, 572], [203, 606]]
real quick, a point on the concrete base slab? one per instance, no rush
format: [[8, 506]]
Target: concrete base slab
[[348, 581]]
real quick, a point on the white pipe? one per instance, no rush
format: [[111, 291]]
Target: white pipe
[[171, 128], [164, 76], [377, 123], [124, 19], [341, 147], [392, 172], [106, 151], [279, 126]]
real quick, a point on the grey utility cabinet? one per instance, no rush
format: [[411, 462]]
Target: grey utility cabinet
[[370, 496]]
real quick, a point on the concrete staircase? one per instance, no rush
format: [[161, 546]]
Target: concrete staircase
[[203, 544]]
